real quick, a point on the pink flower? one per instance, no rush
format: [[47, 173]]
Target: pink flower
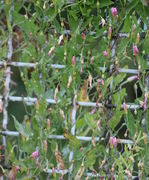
[[73, 60], [132, 78], [35, 154], [18, 168], [113, 141], [101, 81], [103, 22], [114, 11], [105, 54], [83, 36], [135, 50]]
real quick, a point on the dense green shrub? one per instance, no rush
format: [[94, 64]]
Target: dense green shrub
[[82, 35]]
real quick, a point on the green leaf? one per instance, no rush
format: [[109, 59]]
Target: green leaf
[[80, 123], [146, 44], [119, 78], [73, 141], [127, 26], [107, 83], [131, 124], [105, 3], [18, 126], [132, 5], [90, 120], [113, 122], [91, 158], [118, 98]]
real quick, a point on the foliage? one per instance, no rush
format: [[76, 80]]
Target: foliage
[[78, 34]]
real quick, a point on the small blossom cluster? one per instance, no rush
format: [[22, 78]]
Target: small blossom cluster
[[113, 142]]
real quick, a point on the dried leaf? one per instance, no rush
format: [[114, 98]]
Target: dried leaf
[[80, 172], [60, 162]]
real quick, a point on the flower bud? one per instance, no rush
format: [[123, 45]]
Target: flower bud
[[103, 22], [45, 145], [62, 113], [53, 172], [132, 159], [113, 142], [60, 39], [48, 123], [109, 32], [105, 54], [128, 173], [90, 80], [51, 51], [138, 38], [125, 107], [139, 68], [55, 93], [114, 11], [1, 106], [69, 81], [93, 142], [22, 136], [73, 60], [91, 61], [145, 138], [44, 5], [132, 78], [35, 154], [83, 36], [37, 104], [135, 50]]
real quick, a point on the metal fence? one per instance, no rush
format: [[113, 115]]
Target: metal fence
[[31, 100]]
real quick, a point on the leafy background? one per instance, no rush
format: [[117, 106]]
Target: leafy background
[[37, 27]]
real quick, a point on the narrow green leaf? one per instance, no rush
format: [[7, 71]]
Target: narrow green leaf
[[131, 124], [91, 158], [127, 26], [18, 126], [105, 3], [132, 5], [113, 122]]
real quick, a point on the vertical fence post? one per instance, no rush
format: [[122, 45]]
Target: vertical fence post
[[7, 73], [74, 111]]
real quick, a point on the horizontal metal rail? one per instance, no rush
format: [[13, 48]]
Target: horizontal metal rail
[[59, 66], [31, 100], [61, 137], [88, 174]]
